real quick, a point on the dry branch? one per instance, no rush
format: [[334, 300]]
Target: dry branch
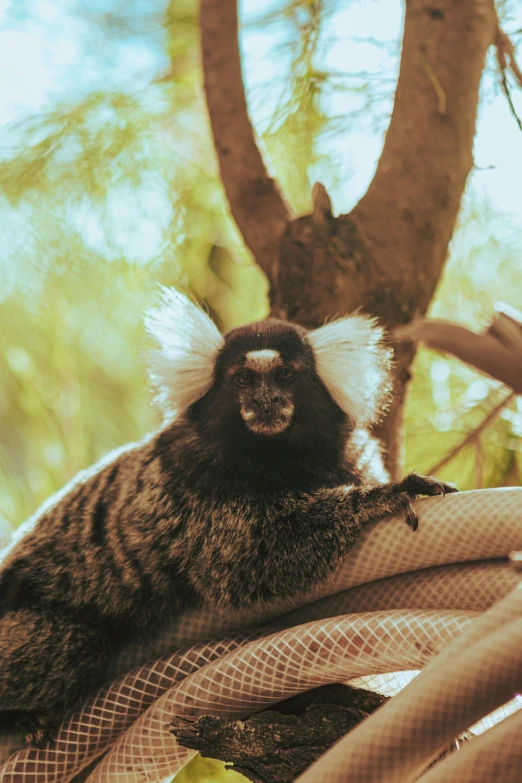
[[497, 352], [255, 202], [277, 745], [507, 63]]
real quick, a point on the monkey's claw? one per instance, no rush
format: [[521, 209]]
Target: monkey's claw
[[448, 488], [414, 485], [409, 512], [411, 487]]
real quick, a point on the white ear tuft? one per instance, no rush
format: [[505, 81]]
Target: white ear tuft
[[182, 369], [354, 366]]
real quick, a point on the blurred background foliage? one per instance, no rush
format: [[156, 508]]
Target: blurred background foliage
[[108, 186]]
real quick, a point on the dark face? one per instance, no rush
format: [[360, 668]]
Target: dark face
[[262, 384], [263, 372]]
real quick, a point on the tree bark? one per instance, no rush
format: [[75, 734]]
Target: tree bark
[[276, 745], [255, 202]]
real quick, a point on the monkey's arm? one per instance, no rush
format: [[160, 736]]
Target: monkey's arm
[[326, 524], [295, 542], [359, 505]]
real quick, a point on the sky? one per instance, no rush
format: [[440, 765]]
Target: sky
[[52, 55]]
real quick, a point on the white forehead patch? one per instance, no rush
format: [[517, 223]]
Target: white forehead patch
[[263, 360]]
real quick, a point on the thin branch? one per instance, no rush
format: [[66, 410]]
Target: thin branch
[[473, 435], [507, 62], [479, 463], [506, 55], [507, 93], [255, 202]]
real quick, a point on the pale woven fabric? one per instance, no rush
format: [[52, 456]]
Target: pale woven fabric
[[402, 621]]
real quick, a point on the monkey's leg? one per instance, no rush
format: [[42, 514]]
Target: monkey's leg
[[48, 662]]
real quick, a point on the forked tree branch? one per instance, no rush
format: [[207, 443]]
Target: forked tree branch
[[387, 255], [255, 201]]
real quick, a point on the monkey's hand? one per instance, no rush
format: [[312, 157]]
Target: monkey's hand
[[396, 497]]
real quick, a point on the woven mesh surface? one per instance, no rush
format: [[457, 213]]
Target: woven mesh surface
[[402, 621], [479, 671], [495, 757], [273, 668]]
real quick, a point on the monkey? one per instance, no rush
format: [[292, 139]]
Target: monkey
[[253, 489]]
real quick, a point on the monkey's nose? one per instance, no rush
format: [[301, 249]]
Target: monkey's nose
[[265, 401]]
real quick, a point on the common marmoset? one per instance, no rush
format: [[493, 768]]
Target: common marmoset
[[254, 489]]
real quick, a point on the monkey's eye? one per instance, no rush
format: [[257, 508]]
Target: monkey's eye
[[244, 378], [285, 374]]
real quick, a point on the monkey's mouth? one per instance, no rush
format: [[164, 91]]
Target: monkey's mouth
[[268, 422]]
